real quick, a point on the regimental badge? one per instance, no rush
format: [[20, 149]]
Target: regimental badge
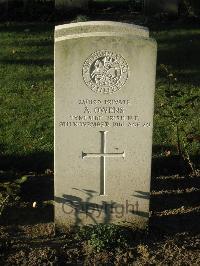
[[105, 72]]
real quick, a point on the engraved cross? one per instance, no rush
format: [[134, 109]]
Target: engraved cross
[[103, 155]]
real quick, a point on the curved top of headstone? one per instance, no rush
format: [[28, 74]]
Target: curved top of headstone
[[100, 26]]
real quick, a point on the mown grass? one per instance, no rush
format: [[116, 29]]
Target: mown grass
[[26, 90], [178, 50]]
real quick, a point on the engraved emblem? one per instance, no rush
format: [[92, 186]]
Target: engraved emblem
[[105, 72]]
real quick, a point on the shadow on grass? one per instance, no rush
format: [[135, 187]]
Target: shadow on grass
[[180, 52], [35, 162], [172, 164], [21, 27], [175, 223], [174, 201], [37, 188], [36, 78], [185, 24], [28, 62], [27, 215]]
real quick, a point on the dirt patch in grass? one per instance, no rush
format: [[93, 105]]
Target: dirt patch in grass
[[180, 249]]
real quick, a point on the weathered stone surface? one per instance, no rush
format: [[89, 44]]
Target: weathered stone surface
[[100, 26], [104, 91]]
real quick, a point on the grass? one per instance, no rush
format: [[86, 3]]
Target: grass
[[26, 91], [178, 50], [26, 143]]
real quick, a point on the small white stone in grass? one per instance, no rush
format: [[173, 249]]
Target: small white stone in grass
[[34, 204], [167, 153], [48, 171]]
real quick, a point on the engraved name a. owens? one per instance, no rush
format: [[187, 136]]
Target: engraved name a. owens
[[109, 110]]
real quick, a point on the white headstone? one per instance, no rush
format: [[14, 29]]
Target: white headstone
[[100, 26], [104, 95]]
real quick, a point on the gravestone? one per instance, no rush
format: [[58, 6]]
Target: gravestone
[[100, 26], [195, 6], [104, 101], [70, 4], [170, 7]]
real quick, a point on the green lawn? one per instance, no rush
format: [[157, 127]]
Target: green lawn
[[26, 91], [177, 105]]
